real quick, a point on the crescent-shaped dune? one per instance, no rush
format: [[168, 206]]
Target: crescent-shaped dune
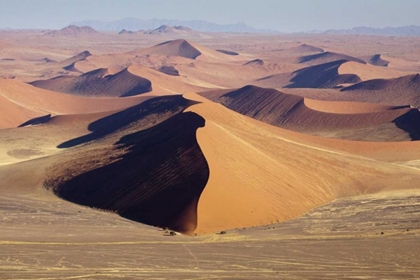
[[370, 72], [224, 171], [333, 119], [324, 75], [260, 174]]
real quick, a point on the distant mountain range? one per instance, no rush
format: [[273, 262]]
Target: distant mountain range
[[411, 30], [134, 24]]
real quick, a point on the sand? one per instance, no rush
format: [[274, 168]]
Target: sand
[[185, 155]]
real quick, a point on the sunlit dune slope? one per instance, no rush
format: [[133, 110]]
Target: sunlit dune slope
[[12, 114], [260, 174], [369, 72], [50, 102], [183, 48]]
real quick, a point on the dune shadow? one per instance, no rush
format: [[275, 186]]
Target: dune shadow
[[410, 123], [157, 181], [117, 121], [321, 76], [37, 120]]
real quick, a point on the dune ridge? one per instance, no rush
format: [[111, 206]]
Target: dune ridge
[[150, 176], [326, 57], [402, 90], [332, 119], [98, 83], [296, 175], [322, 76]]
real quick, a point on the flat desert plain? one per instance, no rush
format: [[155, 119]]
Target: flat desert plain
[[189, 155]]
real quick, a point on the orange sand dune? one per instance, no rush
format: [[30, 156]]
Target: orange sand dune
[[50, 102], [327, 57], [183, 48], [403, 90], [370, 72], [141, 172], [260, 174], [369, 122], [12, 114], [98, 83], [320, 76], [223, 162], [173, 48]]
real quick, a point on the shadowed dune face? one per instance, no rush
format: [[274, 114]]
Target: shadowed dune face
[[366, 122], [158, 180], [322, 76], [98, 83], [169, 70], [149, 112], [228, 52], [378, 61], [153, 175], [326, 57]]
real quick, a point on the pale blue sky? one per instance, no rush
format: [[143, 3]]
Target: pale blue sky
[[282, 15]]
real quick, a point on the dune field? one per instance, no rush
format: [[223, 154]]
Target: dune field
[[176, 154]]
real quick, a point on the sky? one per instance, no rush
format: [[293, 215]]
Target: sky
[[281, 15]]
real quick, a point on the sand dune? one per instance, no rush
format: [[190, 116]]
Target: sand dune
[[324, 75], [327, 57], [152, 192], [98, 83], [78, 57], [403, 90], [126, 164], [13, 114], [50, 102], [370, 72], [274, 175], [368, 122], [377, 60], [185, 49], [172, 48]]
